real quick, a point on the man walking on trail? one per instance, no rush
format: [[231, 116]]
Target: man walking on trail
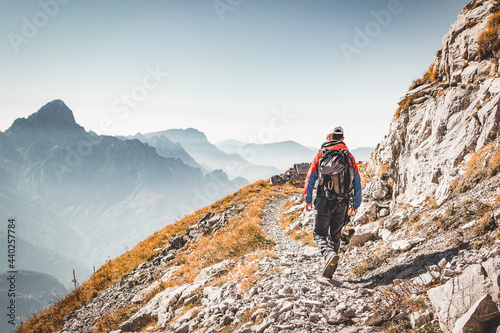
[[338, 195]]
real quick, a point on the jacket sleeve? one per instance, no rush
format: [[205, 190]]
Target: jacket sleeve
[[312, 177], [356, 183]]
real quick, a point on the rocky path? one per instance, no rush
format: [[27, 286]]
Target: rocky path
[[296, 298], [270, 224], [287, 294]]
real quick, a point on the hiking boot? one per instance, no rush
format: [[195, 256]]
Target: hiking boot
[[330, 265]]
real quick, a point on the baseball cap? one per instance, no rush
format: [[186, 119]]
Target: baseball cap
[[335, 130]]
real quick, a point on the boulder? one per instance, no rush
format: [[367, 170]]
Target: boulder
[[310, 252], [374, 319], [364, 233], [212, 293], [367, 212], [419, 318], [177, 241], [402, 245], [479, 318], [376, 189], [182, 319], [383, 212], [210, 273], [384, 234], [392, 222], [453, 299], [156, 308], [295, 175], [425, 279]]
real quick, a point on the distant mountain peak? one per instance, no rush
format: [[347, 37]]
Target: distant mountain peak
[[52, 115], [56, 113]]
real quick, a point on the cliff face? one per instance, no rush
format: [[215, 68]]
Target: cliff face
[[450, 113]]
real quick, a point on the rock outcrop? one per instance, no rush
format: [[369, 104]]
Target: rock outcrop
[[441, 122], [458, 296], [295, 175]]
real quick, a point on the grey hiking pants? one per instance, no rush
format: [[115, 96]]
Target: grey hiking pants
[[329, 219]]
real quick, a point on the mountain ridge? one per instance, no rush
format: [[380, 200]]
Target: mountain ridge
[[196, 144], [50, 161]]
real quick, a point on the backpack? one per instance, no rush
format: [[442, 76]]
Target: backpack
[[336, 174]]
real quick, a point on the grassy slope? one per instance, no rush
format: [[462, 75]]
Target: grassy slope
[[241, 236]]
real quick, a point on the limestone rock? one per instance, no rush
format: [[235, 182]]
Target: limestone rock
[[155, 308], [425, 279], [311, 252], [182, 319], [456, 297], [367, 212], [383, 212], [376, 189], [428, 140], [374, 319], [479, 317], [294, 175], [210, 273], [393, 222], [402, 245], [364, 233], [419, 318], [177, 241]]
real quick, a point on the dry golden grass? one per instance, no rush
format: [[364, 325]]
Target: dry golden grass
[[241, 236], [300, 234], [366, 171], [384, 168], [404, 105], [289, 219], [483, 164], [485, 225], [489, 43], [248, 277], [371, 263], [471, 24], [430, 76], [303, 236], [289, 204], [111, 322]]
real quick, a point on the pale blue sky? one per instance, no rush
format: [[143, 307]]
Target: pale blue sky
[[226, 77]]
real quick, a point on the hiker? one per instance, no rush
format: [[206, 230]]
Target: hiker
[[338, 195]]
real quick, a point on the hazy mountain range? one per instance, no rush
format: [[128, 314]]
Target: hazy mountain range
[[207, 155], [281, 154], [80, 199]]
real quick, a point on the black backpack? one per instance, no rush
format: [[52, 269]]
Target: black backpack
[[336, 173]]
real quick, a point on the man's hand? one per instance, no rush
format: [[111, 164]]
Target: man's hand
[[309, 207], [352, 211]]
